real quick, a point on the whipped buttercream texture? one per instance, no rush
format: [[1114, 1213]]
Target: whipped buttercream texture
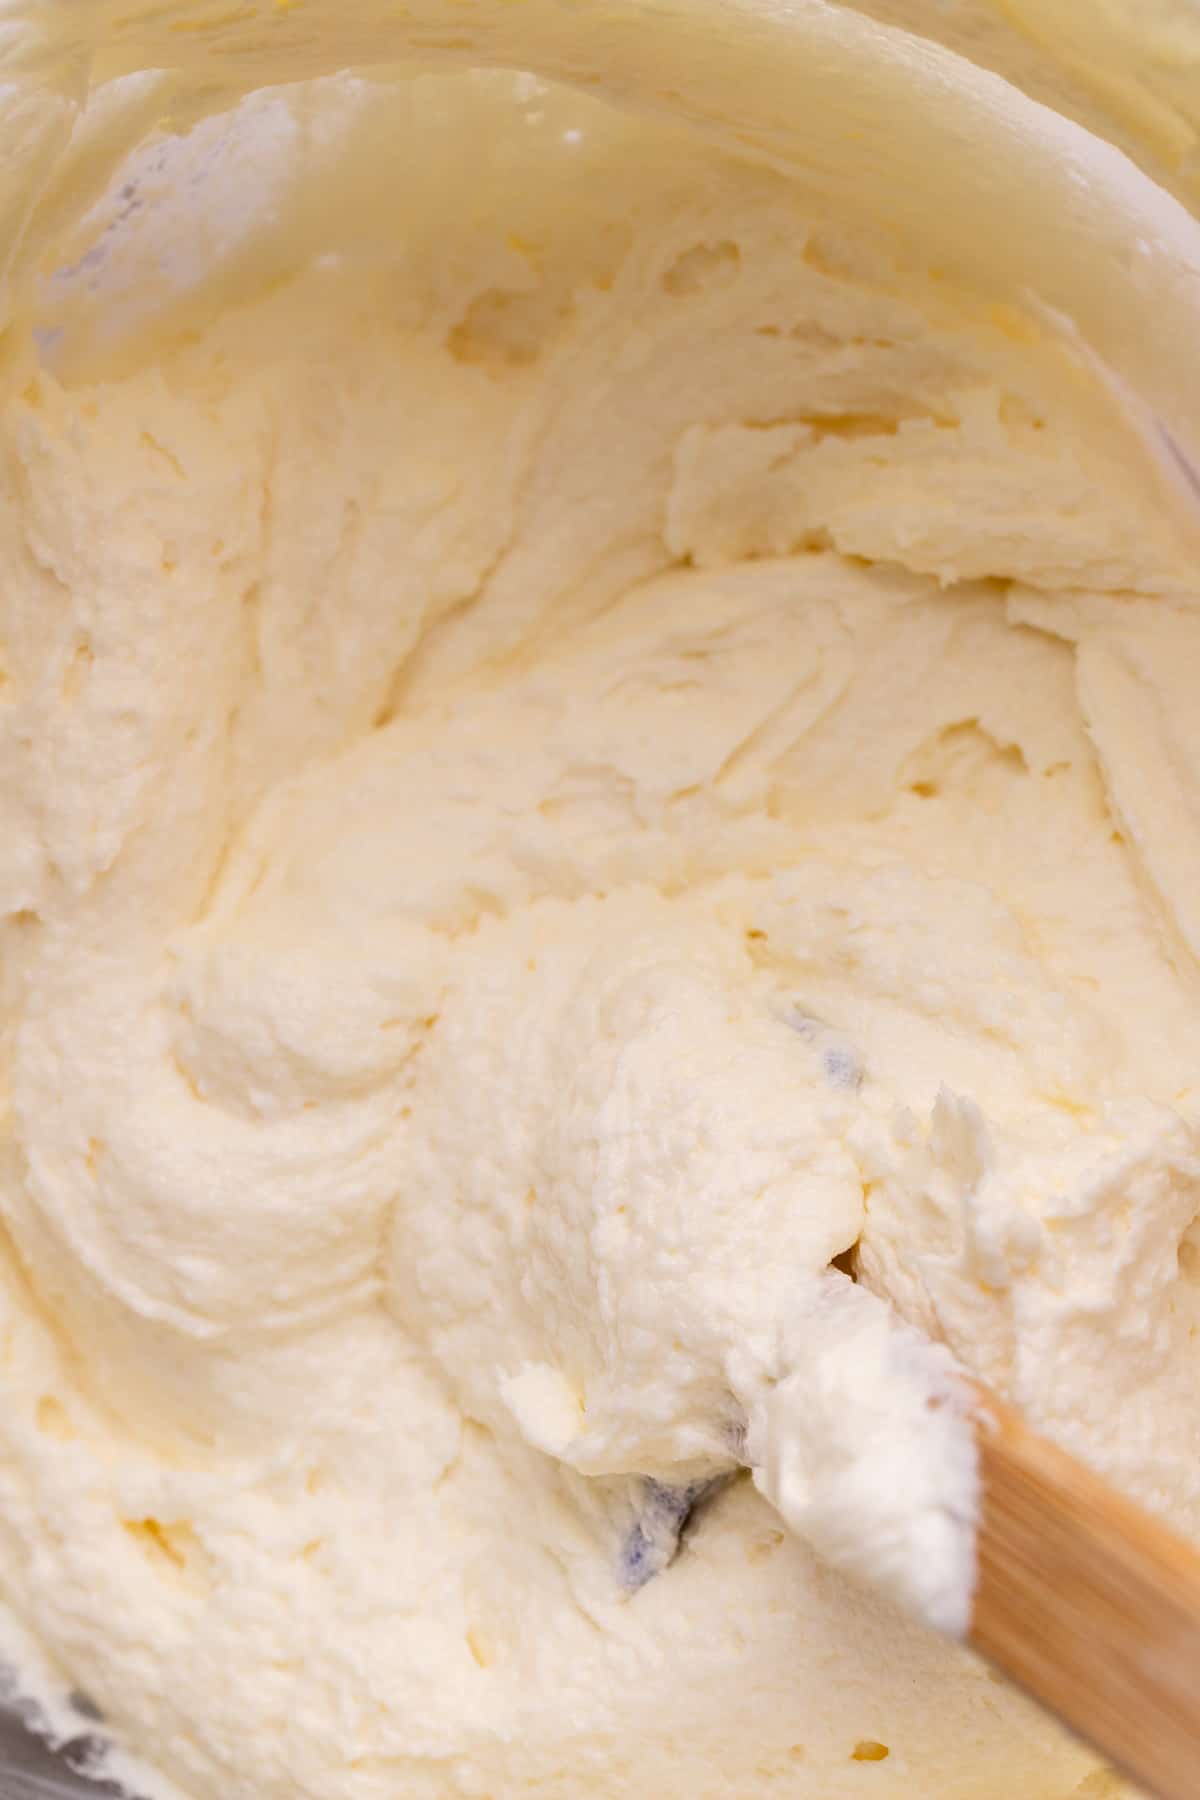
[[587, 728]]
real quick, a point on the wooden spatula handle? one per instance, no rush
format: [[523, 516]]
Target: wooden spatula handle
[[1089, 1603]]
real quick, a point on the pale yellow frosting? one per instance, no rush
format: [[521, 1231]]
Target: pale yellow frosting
[[596, 710]]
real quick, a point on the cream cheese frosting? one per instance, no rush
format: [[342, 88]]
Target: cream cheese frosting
[[589, 729]]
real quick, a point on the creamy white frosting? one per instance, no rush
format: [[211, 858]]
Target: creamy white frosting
[[587, 726]]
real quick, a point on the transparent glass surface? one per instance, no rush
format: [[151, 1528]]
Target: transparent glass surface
[[29, 1770]]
